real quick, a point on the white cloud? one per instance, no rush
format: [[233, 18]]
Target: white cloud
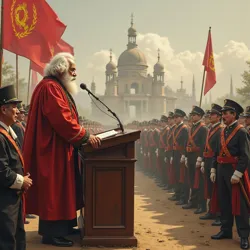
[[230, 61]]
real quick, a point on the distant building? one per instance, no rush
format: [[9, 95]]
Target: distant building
[[133, 93]]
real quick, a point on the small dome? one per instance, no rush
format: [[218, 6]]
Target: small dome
[[159, 67], [111, 67], [132, 57], [132, 31]]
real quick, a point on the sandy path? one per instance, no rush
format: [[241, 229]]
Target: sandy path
[[159, 224]]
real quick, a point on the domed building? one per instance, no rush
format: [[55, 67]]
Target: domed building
[[130, 91]]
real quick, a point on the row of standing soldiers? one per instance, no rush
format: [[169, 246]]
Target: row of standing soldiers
[[207, 165]]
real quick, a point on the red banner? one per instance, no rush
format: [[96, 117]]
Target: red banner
[[208, 63], [30, 28]]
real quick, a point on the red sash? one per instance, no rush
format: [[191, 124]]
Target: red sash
[[193, 147], [162, 143], [208, 150], [171, 133], [175, 144]]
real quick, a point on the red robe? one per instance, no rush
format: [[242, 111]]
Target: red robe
[[51, 130]]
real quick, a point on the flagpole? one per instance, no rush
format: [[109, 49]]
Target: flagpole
[[28, 95], [202, 86], [203, 78], [1, 45], [17, 92]]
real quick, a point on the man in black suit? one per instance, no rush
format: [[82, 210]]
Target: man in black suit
[[12, 181], [230, 164]]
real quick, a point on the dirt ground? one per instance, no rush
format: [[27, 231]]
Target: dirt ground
[[159, 224]]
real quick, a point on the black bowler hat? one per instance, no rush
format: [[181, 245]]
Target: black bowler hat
[[197, 111], [8, 95], [170, 114], [164, 118], [247, 112], [230, 105], [179, 112], [216, 109]]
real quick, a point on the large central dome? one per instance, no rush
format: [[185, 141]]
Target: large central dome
[[132, 57]]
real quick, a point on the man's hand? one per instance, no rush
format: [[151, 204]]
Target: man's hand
[[213, 175], [186, 162], [27, 182], [202, 167], [236, 177], [171, 160], [182, 159], [95, 141]]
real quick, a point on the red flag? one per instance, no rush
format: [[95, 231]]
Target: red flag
[[34, 80], [208, 63], [60, 46], [30, 28]]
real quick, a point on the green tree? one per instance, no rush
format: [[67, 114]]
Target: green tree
[[244, 92], [9, 77]]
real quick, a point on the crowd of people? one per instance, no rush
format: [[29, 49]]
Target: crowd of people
[[203, 158]]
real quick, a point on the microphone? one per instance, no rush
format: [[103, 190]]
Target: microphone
[[84, 87]]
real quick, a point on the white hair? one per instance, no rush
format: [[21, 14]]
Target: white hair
[[59, 64]]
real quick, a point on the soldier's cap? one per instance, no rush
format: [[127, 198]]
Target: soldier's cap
[[179, 112], [197, 111], [8, 95], [207, 113], [154, 122], [20, 108], [215, 109], [247, 112], [230, 105], [164, 118], [170, 115]]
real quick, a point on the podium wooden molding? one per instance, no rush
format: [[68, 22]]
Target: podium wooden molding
[[109, 192]]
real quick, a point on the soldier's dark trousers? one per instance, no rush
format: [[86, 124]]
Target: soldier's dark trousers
[[176, 163], [192, 158], [12, 233], [224, 174], [202, 202]]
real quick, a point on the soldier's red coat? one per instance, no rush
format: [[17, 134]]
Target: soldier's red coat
[[51, 130]]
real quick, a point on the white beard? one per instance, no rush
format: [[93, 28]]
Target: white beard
[[69, 83]]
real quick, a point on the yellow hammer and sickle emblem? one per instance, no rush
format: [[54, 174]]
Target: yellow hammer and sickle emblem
[[20, 18], [211, 62]]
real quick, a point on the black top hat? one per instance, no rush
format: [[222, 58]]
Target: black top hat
[[247, 112], [216, 109], [170, 114], [197, 111], [230, 105], [179, 112], [164, 118], [8, 95]]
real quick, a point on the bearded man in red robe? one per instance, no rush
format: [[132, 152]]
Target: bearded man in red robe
[[50, 151]]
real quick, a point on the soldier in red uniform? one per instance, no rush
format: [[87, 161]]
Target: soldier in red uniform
[[161, 151], [211, 144], [247, 119], [230, 163], [194, 154], [180, 137]]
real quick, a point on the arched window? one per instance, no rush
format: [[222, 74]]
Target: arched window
[[134, 88]]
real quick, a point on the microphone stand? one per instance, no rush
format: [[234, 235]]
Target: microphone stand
[[109, 110]]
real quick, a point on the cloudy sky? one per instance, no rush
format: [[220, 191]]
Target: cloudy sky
[[177, 27]]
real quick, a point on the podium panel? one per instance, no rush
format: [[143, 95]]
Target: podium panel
[[109, 192]]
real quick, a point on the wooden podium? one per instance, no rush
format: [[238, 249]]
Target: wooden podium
[[109, 192]]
